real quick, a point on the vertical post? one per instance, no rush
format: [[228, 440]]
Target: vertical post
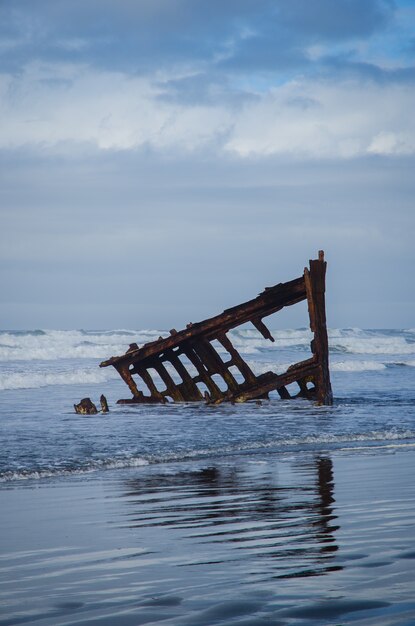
[[315, 282]]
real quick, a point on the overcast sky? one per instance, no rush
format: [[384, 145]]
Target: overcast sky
[[161, 160]]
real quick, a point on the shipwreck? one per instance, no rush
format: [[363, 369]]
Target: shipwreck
[[187, 366]]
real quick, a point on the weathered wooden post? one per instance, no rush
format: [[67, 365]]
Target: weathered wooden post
[[315, 283]]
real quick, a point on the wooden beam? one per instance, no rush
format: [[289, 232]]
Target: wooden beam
[[315, 282]]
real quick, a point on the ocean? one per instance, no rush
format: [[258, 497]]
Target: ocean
[[44, 372], [271, 513]]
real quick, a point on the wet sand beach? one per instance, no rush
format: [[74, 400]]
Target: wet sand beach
[[302, 538]]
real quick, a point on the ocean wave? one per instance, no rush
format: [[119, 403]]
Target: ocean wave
[[261, 367], [31, 380], [94, 344], [369, 342], [356, 366], [250, 341], [93, 466], [298, 444], [69, 344], [24, 333]]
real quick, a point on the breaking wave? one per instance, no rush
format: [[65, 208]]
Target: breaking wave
[[69, 344], [80, 344], [372, 439], [93, 466], [41, 358], [33, 380], [260, 367]]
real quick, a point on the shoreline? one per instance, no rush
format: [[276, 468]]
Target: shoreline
[[16, 477], [205, 542]]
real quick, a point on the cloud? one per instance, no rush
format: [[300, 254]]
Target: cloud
[[207, 54], [321, 119], [62, 107], [143, 35], [327, 20]]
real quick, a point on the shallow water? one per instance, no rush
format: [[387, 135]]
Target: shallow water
[[42, 374], [273, 513], [271, 539]]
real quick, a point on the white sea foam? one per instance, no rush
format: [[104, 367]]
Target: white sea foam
[[65, 344], [356, 366], [367, 342], [32, 380], [384, 435], [389, 438], [250, 341], [58, 344], [260, 367], [93, 466], [348, 341]]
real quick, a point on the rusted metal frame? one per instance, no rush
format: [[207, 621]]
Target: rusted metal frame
[[208, 355], [284, 393], [194, 342], [180, 392], [249, 377], [131, 358], [237, 360], [315, 288], [125, 373], [260, 326], [207, 362], [268, 302], [270, 381], [138, 396], [300, 365], [141, 369], [305, 392], [243, 367], [215, 393], [260, 388], [188, 387], [172, 389], [245, 316]]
